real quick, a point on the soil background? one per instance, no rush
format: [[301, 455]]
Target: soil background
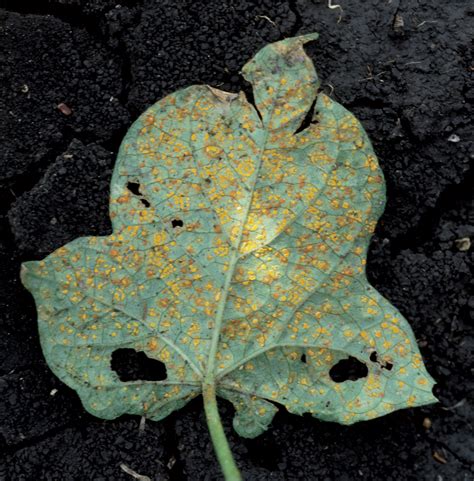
[[402, 66]]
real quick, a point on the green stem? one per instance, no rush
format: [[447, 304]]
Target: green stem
[[219, 440]]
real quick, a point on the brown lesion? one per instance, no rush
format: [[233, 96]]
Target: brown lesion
[[149, 120], [223, 96]]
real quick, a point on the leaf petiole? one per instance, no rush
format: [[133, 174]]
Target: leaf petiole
[[218, 437]]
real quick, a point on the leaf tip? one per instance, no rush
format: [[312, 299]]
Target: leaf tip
[[308, 37]]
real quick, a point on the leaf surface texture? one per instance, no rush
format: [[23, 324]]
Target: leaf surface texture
[[240, 235]]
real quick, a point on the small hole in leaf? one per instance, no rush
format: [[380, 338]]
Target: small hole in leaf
[[134, 188], [384, 365], [303, 358], [177, 223], [131, 365], [350, 369]]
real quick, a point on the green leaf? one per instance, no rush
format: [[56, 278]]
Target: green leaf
[[237, 259]]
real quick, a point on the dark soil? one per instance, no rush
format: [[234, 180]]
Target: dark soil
[[402, 66]]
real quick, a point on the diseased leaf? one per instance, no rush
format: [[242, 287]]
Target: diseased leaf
[[237, 259]]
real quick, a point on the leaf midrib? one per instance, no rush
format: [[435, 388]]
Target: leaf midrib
[[210, 375]]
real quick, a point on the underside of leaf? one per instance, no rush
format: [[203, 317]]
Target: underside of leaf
[[240, 235]]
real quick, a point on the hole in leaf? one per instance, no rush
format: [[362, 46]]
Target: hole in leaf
[[177, 223], [131, 365], [308, 119], [384, 365], [350, 369], [303, 358], [134, 188]]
